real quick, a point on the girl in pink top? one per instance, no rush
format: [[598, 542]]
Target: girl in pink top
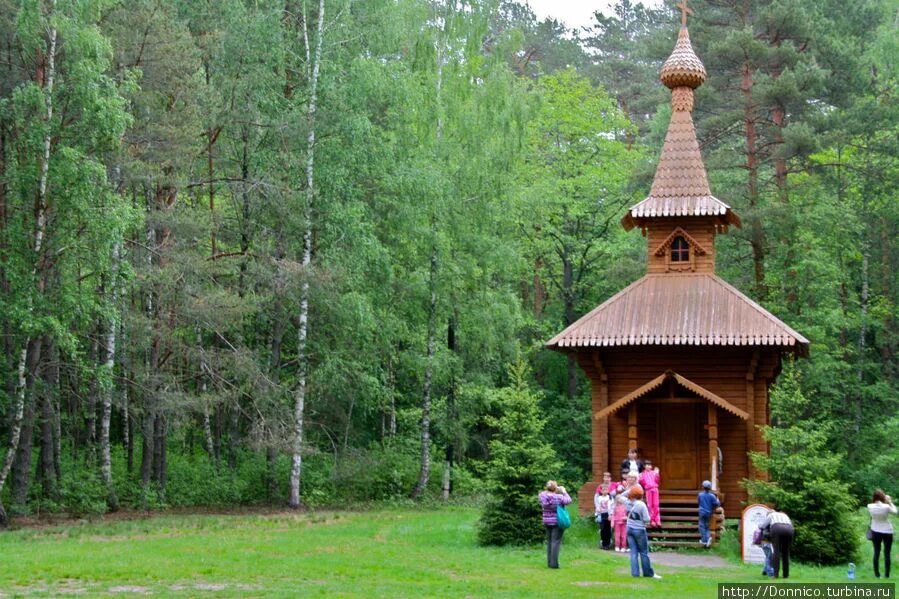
[[650, 480], [619, 521]]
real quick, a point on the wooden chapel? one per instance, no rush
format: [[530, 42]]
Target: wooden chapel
[[680, 361]]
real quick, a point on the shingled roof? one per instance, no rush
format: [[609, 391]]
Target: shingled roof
[[681, 186], [679, 309]]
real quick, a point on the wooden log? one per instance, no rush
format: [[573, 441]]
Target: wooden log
[[632, 426]]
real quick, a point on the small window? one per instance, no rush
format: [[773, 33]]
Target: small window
[[680, 251]]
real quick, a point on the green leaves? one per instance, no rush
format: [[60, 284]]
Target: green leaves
[[85, 217]]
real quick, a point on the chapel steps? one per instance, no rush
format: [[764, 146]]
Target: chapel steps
[[680, 521]]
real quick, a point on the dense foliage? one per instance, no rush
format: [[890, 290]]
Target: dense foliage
[[249, 245]]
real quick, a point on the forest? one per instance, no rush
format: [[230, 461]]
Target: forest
[[284, 252]]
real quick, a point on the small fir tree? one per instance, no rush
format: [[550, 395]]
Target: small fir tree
[[520, 460], [804, 477]]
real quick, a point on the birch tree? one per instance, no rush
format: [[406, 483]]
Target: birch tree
[[59, 161], [106, 382], [313, 70], [37, 247], [444, 24]]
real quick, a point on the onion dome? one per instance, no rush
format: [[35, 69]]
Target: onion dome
[[683, 68], [681, 185]]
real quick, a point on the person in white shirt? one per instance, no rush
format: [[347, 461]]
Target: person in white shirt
[[602, 504], [881, 529]]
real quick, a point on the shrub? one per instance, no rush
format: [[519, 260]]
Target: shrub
[[83, 493], [384, 471], [520, 461], [805, 478], [194, 480]]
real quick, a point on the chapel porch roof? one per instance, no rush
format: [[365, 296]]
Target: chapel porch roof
[[680, 380]]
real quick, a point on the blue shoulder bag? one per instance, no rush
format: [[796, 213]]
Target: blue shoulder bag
[[562, 517]]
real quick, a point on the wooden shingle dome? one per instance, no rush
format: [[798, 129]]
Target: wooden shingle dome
[[683, 67]]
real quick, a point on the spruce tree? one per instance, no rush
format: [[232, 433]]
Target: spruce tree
[[520, 463], [804, 476]]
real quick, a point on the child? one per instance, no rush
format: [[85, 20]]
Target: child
[[708, 503], [606, 483], [619, 520], [768, 568], [650, 479], [602, 502], [760, 538]]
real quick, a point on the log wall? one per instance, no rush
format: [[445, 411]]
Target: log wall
[[701, 229], [732, 373]]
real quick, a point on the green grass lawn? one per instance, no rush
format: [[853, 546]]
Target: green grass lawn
[[384, 553]]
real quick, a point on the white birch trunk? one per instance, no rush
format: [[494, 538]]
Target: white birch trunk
[[863, 330], [300, 393], [126, 417], [207, 431], [123, 365], [40, 225], [207, 424], [447, 478], [391, 423], [105, 453], [425, 471], [205, 371]]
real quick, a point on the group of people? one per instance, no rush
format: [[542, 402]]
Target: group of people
[[776, 532], [631, 532], [630, 506], [610, 503], [775, 536]]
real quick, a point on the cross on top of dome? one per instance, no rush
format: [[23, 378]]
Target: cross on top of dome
[[684, 11]]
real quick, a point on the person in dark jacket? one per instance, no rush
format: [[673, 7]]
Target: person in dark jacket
[[631, 463], [554, 496]]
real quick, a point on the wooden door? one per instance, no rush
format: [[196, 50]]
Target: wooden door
[[678, 446]]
